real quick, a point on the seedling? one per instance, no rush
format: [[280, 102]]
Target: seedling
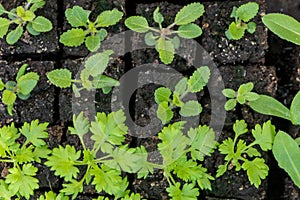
[[20, 180], [90, 33], [190, 108], [242, 16], [166, 40], [21, 88], [23, 16], [90, 77], [246, 157]]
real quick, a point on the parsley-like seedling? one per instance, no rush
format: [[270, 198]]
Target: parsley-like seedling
[[85, 31], [21, 180], [246, 157], [91, 76], [242, 15], [23, 16], [167, 101], [166, 40], [22, 87]]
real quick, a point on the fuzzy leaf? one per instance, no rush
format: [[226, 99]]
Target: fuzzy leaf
[[109, 18], [35, 132], [77, 16], [199, 79], [60, 78], [188, 192], [73, 38], [295, 110], [247, 11], [166, 50], [41, 24], [264, 136], [137, 23], [189, 31], [92, 42], [162, 94], [27, 82], [4, 25], [256, 170], [8, 97], [96, 64], [189, 13], [13, 36], [164, 113]]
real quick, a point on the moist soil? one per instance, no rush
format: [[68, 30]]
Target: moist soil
[[272, 64]]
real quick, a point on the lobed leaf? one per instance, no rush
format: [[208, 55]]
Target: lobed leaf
[[188, 191], [256, 170], [35, 132], [81, 126], [77, 16], [189, 13], [72, 188], [60, 78], [73, 38], [240, 127], [109, 18], [264, 136]]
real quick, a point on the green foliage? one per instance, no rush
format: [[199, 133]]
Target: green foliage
[[23, 16], [86, 31], [21, 180], [284, 26], [22, 87], [167, 101], [242, 96], [90, 77], [166, 40], [242, 15], [246, 157]]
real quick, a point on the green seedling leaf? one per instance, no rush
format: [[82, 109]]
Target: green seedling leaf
[[28, 16], [269, 106], [256, 170], [109, 18], [181, 86], [5, 193], [31, 30], [96, 64], [264, 136], [189, 13], [150, 39], [105, 82], [166, 50], [81, 125], [21, 71], [92, 42], [85, 76], [199, 79], [287, 153], [176, 100], [60, 78], [297, 140], [77, 16], [41, 24], [235, 32], [164, 113], [176, 42], [284, 26], [245, 88], [73, 188], [102, 33], [37, 5], [157, 16], [13, 36], [251, 96], [229, 93], [137, 23], [189, 31], [295, 110], [35, 132], [190, 108], [20, 11], [188, 191], [27, 82], [2, 9], [73, 38], [247, 11], [230, 104], [24, 155], [162, 94], [4, 25], [251, 27], [2, 85], [240, 127], [8, 97]]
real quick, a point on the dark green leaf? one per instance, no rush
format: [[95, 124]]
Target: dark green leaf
[[251, 27], [150, 39], [31, 30]]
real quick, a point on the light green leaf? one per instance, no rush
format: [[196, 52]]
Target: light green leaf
[[103, 81], [72, 188], [287, 153], [2, 85], [21, 71], [164, 113], [264, 136], [240, 127], [251, 96], [72, 38], [41, 24], [150, 39], [60, 78], [166, 50], [181, 86], [24, 155], [199, 79], [176, 100], [256, 170], [31, 30], [36, 5], [92, 42], [176, 42], [221, 170], [229, 93], [2, 9], [162, 94], [85, 76], [157, 16], [190, 108], [235, 32], [27, 82], [245, 88], [81, 126], [13, 36], [96, 64], [28, 16], [188, 192], [35, 132], [295, 110], [77, 16], [5, 193], [109, 18], [8, 97], [189, 13], [4, 25], [137, 23], [189, 31], [247, 11], [284, 26], [251, 27]]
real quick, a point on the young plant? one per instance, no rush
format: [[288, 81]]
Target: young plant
[[246, 157], [166, 39], [167, 101], [23, 16], [85, 31], [21, 88], [90, 77], [242, 16], [242, 96], [284, 26], [20, 180]]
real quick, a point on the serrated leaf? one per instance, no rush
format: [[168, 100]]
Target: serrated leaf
[[240, 127], [229, 93], [73, 38], [24, 155], [287, 153], [77, 16], [247, 11], [8, 136], [189, 31], [8, 97], [264, 136], [27, 82], [4, 25], [199, 79], [230, 104], [41, 24], [81, 125], [5, 193], [235, 32], [164, 113], [295, 108], [256, 170], [137, 23], [221, 170], [96, 64], [162, 94], [187, 170], [189, 13], [132, 197], [72, 188], [181, 86], [13, 36], [226, 148], [190, 108], [62, 161], [166, 50], [60, 78], [92, 42], [157, 16], [188, 192], [176, 100], [35, 132], [109, 18]]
